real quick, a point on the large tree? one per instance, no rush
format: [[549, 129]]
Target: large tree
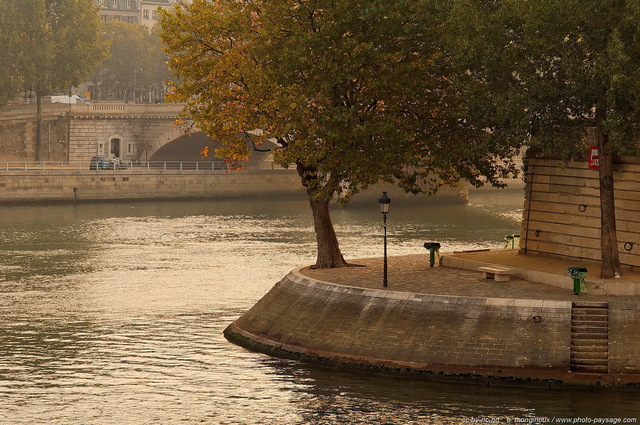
[[58, 46], [547, 70], [354, 92]]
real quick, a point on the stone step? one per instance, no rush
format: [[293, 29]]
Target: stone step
[[589, 369], [590, 362], [590, 328], [590, 349], [590, 311], [593, 311], [590, 318], [590, 304], [586, 336], [591, 322], [585, 343], [589, 355]]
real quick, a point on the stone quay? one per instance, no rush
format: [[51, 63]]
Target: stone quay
[[451, 323]]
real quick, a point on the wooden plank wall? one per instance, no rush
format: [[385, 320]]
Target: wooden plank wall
[[562, 210]]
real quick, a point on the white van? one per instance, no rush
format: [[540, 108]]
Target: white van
[[64, 99]]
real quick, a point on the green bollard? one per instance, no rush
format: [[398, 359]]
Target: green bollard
[[578, 274], [434, 249], [509, 240]]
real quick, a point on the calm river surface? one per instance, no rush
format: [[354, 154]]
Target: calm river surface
[[112, 313]]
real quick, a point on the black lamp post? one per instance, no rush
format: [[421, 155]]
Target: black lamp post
[[384, 209]]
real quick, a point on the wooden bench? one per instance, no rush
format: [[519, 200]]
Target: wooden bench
[[496, 273]]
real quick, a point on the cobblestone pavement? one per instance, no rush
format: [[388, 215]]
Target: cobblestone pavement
[[411, 273]]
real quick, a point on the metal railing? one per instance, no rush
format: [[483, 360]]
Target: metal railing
[[131, 165], [179, 166]]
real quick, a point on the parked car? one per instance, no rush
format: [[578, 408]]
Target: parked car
[[104, 163]]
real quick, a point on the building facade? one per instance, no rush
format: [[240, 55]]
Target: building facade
[[122, 10], [143, 12], [149, 11]]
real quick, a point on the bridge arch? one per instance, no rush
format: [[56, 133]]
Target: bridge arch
[[152, 143], [188, 147], [133, 132]]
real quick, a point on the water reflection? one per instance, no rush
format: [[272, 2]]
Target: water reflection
[[334, 396], [113, 314]]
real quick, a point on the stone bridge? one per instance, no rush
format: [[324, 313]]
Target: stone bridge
[[132, 132]]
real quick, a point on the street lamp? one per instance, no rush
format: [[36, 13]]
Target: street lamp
[[384, 209]]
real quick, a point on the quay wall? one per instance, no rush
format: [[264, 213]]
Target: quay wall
[[624, 336], [418, 332], [86, 185], [445, 336], [562, 210]]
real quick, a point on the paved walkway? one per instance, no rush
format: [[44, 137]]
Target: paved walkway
[[411, 273]]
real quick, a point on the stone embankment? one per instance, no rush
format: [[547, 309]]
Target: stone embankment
[[444, 323], [86, 185], [69, 185]]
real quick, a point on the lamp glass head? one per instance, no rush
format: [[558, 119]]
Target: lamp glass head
[[384, 203]]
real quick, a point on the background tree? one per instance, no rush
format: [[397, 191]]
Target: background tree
[[355, 92], [136, 63], [59, 44], [547, 70], [9, 82]]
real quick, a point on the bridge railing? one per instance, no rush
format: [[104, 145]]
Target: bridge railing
[[117, 108], [131, 165], [199, 166]]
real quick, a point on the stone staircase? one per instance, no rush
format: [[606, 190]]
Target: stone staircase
[[589, 337]]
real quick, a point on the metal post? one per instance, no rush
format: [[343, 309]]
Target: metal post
[[384, 278]]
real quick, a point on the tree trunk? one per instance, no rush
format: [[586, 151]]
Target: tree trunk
[[329, 255], [38, 126], [610, 259]]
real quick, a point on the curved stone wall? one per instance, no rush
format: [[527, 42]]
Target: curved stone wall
[[303, 318]]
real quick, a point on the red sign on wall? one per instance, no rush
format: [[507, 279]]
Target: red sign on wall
[[594, 161]]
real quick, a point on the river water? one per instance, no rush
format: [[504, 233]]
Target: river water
[[112, 313]]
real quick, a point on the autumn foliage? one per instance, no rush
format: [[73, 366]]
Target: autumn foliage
[[353, 91]]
